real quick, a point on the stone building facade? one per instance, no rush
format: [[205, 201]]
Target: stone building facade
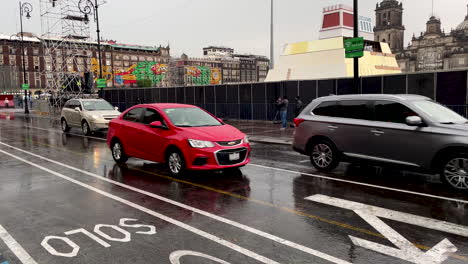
[[432, 50], [121, 62], [389, 26]]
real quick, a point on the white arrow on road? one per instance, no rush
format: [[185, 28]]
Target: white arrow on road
[[405, 249]]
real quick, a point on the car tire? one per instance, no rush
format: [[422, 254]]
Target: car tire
[[175, 162], [454, 171], [118, 152], [324, 155], [65, 127], [86, 128]]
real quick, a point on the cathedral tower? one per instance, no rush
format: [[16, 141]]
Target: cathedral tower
[[389, 24]]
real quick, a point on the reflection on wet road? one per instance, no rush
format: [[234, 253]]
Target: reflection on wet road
[[66, 190]]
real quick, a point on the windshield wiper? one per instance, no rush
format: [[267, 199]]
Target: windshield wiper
[[184, 126], [447, 123]]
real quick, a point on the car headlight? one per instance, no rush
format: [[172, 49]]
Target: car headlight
[[246, 139], [95, 117], [200, 143]]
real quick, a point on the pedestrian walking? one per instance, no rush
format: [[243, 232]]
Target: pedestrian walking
[[284, 112], [299, 106], [7, 102], [277, 118]]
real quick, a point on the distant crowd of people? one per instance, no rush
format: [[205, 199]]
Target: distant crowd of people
[[17, 102], [281, 113]]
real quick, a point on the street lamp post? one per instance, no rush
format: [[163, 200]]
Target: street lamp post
[[357, 83], [86, 7], [24, 8]]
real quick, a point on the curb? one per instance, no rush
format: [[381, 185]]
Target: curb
[[273, 141]]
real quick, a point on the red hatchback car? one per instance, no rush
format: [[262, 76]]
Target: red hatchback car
[[185, 137]]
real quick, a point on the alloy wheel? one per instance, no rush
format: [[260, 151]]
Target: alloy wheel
[[456, 173], [117, 151], [322, 155], [85, 128], [175, 163]]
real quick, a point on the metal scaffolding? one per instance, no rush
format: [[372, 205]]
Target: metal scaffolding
[[67, 49]]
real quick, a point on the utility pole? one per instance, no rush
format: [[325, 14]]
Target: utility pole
[[24, 8], [272, 39], [357, 83]]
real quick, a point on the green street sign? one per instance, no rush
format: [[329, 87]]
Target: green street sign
[[101, 83], [354, 48], [25, 86]]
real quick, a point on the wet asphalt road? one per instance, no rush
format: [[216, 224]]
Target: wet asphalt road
[[64, 200]]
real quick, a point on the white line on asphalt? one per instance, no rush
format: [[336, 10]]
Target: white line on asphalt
[[361, 183], [60, 132], [392, 215], [196, 210], [406, 250], [15, 247], [199, 232]]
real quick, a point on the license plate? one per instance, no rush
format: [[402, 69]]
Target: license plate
[[234, 156]]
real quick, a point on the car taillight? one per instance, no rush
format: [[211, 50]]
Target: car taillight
[[298, 121]]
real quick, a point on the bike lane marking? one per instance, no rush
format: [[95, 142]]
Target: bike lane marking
[[215, 217], [405, 249], [15, 247]]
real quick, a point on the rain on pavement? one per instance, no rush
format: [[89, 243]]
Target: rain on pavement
[[64, 200]]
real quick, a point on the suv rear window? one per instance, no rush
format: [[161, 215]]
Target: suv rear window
[[355, 109], [326, 109]]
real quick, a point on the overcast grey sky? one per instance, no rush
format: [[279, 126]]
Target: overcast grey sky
[[190, 25]]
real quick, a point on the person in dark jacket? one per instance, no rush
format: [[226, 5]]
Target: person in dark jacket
[[284, 112], [299, 106]]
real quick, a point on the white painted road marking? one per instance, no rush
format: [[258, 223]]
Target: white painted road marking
[[406, 250], [193, 209], [199, 232], [176, 255], [359, 183], [15, 247]]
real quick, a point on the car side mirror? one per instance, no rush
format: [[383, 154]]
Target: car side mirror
[[77, 109], [414, 121], [116, 108], [157, 124]]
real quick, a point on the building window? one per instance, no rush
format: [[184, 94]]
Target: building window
[[461, 61], [35, 52], [126, 57], [126, 63], [108, 55], [108, 62]]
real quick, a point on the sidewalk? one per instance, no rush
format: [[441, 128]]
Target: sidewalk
[[264, 131]]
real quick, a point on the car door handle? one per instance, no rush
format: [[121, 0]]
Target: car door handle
[[332, 127], [377, 132]]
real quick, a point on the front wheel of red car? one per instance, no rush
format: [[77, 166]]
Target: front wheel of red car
[[175, 163]]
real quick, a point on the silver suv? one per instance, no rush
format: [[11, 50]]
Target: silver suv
[[90, 115], [408, 130]]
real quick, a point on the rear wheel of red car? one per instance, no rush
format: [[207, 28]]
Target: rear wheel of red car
[[118, 152], [175, 162]]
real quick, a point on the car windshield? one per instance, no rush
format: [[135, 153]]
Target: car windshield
[[191, 117], [439, 113], [97, 106]]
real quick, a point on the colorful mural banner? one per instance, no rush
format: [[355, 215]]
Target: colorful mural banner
[[202, 75], [106, 70], [144, 70]]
